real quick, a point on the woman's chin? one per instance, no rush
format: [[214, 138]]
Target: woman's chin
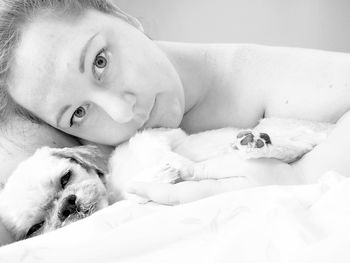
[[170, 119], [165, 123], [173, 120]]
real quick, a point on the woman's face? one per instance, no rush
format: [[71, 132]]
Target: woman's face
[[96, 77]]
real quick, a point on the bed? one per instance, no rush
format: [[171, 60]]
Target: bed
[[306, 223]]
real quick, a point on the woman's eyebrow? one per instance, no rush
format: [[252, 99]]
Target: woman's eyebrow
[[83, 53], [61, 113]]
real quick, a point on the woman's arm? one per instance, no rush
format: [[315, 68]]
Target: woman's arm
[[330, 155]]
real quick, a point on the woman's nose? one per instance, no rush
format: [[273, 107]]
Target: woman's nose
[[120, 108]]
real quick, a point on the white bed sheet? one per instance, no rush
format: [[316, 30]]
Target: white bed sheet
[[309, 223]]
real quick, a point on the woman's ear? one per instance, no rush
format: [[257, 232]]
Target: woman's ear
[[88, 156]]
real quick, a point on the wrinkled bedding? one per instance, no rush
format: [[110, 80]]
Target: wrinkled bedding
[[307, 223]]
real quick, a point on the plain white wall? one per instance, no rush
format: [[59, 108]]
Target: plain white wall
[[321, 24]]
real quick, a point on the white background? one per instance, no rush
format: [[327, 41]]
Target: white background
[[321, 24]]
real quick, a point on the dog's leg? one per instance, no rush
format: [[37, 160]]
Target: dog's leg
[[155, 148], [149, 157], [283, 139]]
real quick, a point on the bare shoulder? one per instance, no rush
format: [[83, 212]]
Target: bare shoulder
[[241, 54], [246, 82], [294, 82]]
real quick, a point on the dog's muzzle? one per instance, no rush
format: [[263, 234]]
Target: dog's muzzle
[[69, 207]]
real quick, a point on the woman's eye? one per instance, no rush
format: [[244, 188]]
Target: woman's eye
[[101, 61], [65, 179], [100, 64], [34, 229], [78, 115]]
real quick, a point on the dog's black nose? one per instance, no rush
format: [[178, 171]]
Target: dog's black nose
[[68, 207]]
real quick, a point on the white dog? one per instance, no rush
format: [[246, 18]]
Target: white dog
[[55, 187]]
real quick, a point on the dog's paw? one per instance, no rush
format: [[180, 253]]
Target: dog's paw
[[167, 173], [171, 169], [252, 144], [174, 170], [249, 139]]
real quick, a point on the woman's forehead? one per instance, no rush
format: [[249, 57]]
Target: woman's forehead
[[49, 46], [47, 54], [36, 66]]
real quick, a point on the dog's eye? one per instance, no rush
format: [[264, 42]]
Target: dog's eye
[[34, 229], [100, 173], [65, 179]]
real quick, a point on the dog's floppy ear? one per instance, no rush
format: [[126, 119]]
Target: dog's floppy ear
[[88, 156]]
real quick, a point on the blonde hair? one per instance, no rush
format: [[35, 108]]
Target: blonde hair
[[14, 14]]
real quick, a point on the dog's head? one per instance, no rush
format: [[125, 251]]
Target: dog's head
[[53, 188]]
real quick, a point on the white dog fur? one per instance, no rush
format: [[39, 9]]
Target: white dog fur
[[55, 187]]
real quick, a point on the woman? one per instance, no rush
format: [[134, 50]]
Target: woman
[[87, 69]]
